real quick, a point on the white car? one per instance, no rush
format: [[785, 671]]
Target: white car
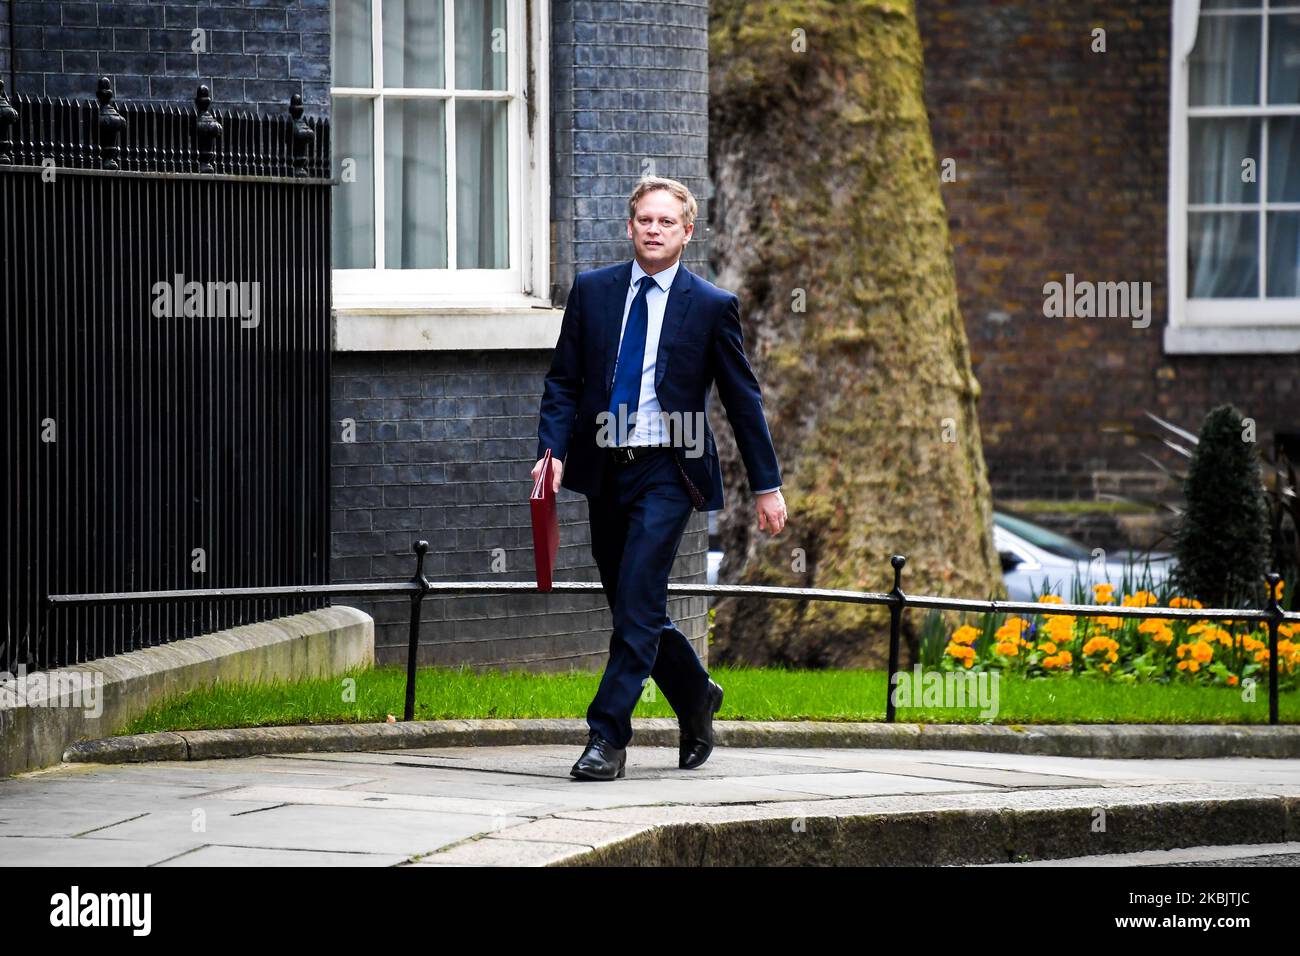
[[1037, 561]]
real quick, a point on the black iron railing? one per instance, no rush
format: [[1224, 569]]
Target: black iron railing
[[419, 587], [101, 134], [164, 367]]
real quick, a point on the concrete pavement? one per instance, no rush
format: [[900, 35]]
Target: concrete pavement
[[516, 805]]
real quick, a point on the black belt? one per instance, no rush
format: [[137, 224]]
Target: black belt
[[630, 453]]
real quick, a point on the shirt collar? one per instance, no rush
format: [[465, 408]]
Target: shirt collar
[[663, 278]]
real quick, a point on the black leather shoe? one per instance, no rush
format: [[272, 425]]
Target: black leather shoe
[[697, 730], [600, 761]]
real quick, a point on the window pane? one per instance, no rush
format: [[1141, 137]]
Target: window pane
[[1223, 255], [413, 43], [1224, 66], [1284, 59], [1284, 254], [352, 128], [351, 44], [1284, 159], [482, 223], [1231, 4], [415, 184], [1217, 149], [481, 52]]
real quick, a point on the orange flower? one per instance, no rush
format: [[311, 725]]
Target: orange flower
[[1101, 645], [1199, 651], [1103, 593], [1059, 627], [964, 635], [1061, 660], [1013, 629], [962, 652], [1138, 599]]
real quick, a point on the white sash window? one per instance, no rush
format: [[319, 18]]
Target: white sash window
[[442, 199], [1234, 249]]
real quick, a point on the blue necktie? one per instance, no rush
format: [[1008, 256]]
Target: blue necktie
[[631, 356]]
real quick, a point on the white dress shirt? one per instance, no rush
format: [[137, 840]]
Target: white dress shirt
[[649, 424]]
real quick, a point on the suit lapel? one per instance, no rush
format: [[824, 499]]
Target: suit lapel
[[615, 301], [679, 302]]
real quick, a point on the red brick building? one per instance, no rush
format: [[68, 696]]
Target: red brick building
[[1112, 142]]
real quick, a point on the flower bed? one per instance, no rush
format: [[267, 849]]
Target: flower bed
[[1224, 653]]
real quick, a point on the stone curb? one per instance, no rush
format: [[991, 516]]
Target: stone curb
[[1064, 740], [1028, 826], [37, 726]]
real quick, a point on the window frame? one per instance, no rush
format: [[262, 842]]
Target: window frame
[[1238, 325], [525, 283]]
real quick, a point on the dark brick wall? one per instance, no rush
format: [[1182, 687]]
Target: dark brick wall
[[259, 52], [629, 95], [443, 451], [5, 57], [1062, 159]]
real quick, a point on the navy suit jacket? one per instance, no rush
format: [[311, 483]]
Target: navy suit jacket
[[700, 343]]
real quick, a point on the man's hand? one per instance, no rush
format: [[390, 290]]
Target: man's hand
[[771, 511], [557, 468]]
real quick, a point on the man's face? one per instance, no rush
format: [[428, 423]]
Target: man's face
[[657, 231]]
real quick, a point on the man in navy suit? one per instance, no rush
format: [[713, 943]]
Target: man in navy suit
[[623, 415]]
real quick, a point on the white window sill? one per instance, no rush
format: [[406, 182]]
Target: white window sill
[[1231, 340], [450, 327]]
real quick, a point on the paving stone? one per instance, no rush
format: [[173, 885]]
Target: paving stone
[[505, 853], [592, 833], [406, 832], [846, 783], [68, 851], [375, 800], [245, 856]]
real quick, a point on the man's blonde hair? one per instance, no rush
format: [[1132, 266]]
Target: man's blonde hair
[[650, 183]]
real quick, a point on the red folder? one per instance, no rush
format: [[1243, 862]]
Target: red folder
[[546, 531]]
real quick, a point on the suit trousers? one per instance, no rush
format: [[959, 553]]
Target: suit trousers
[[637, 522]]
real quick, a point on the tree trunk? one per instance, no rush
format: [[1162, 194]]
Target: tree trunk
[[829, 224]]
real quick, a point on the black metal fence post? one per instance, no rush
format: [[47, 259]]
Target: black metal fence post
[[303, 135], [1274, 619], [895, 632], [417, 600], [111, 125], [207, 129], [8, 117]]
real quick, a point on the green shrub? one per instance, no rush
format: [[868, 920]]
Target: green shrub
[[1222, 540]]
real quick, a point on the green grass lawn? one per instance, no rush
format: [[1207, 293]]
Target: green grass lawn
[[751, 694]]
